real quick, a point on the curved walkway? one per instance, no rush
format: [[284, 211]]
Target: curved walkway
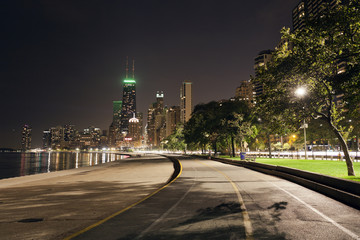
[[54, 205], [211, 200]]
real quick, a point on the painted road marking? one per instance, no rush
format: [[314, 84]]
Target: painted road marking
[[123, 210], [345, 230], [245, 214], [166, 213]]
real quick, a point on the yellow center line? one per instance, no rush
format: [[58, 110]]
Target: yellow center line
[[125, 209], [245, 214]]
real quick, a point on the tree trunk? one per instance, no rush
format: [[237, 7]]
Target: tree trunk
[[232, 146], [228, 146], [215, 148], [345, 149], [269, 146], [242, 145]]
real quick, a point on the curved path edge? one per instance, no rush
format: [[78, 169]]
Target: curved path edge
[[342, 190], [176, 174]]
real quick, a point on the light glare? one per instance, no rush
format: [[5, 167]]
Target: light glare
[[300, 92]]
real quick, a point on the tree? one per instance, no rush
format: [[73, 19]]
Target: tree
[[176, 140], [202, 130], [215, 123], [238, 128], [315, 62], [271, 124], [319, 132]]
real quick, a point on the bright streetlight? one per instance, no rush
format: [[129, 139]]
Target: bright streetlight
[[301, 92]]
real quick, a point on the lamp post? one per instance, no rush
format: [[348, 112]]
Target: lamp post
[[301, 92]]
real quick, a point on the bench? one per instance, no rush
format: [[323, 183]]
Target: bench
[[250, 158]]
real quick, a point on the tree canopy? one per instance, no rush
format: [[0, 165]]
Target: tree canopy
[[323, 58], [216, 124]]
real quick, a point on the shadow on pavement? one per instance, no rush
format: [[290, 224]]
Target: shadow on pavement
[[214, 212]]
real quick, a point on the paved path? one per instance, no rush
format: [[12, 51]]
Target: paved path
[[54, 205], [211, 200]]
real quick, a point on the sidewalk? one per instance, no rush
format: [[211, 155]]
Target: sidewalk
[[54, 205]]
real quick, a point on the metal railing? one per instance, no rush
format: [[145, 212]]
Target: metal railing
[[312, 155]]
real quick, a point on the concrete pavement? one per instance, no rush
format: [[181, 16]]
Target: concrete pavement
[[211, 200], [54, 205]]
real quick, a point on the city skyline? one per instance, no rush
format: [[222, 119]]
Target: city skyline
[[63, 61]]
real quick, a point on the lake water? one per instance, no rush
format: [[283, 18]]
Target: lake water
[[21, 164]]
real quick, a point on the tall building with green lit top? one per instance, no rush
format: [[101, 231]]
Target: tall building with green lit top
[[128, 103]]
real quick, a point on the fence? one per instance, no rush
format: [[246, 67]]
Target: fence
[[332, 156]]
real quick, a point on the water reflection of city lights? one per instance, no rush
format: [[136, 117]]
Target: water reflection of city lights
[[77, 160], [50, 161], [90, 160], [103, 157]]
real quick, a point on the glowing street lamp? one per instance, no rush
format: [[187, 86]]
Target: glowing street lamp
[[301, 92]]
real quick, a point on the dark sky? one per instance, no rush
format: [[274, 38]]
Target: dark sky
[[62, 61]]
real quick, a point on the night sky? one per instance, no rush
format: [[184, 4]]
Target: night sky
[[62, 61]]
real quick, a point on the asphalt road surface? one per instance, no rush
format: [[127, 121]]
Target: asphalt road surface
[[212, 200]]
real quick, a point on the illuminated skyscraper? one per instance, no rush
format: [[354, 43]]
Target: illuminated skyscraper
[[128, 103], [245, 92], [185, 101], [117, 107], [172, 119], [46, 138], [156, 121], [263, 58], [134, 130], [129, 99], [26, 138], [308, 9], [112, 135]]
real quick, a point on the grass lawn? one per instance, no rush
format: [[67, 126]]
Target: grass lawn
[[330, 168]]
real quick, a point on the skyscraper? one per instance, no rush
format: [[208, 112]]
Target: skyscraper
[[172, 119], [26, 138], [245, 92], [129, 103], [306, 10], [159, 100], [134, 131], [185, 101], [114, 129], [298, 16], [117, 107], [312, 9], [263, 58], [156, 121], [112, 135], [46, 139], [129, 99]]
